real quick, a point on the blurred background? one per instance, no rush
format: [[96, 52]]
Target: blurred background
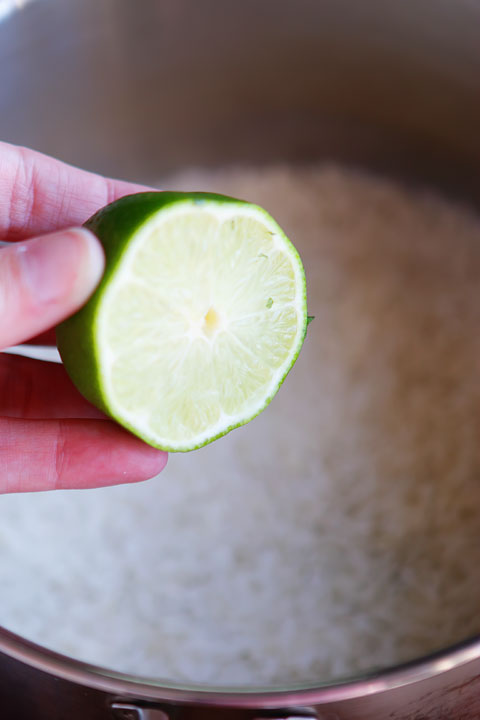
[[342, 522], [137, 90]]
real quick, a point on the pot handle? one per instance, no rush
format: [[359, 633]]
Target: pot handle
[[129, 711]]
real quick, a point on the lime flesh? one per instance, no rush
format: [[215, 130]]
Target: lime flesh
[[198, 319]]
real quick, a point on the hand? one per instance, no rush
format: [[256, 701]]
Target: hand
[[50, 436]]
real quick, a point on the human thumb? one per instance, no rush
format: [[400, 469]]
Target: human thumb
[[44, 280]]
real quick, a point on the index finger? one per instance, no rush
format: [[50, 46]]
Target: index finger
[[39, 194]]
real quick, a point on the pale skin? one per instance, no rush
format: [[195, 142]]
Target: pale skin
[[50, 436]]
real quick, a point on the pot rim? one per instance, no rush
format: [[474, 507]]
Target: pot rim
[[145, 688]]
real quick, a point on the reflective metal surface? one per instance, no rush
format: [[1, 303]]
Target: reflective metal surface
[[138, 89], [31, 678]]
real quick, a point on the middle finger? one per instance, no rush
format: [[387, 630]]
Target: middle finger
[[36, 390]]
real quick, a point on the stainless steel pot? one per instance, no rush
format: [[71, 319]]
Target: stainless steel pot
[[136, 89]]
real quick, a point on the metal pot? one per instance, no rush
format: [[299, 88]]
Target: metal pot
[[138, 89]]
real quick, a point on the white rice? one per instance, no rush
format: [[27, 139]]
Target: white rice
[[337, 532]]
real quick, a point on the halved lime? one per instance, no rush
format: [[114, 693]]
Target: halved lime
[[199, 317]]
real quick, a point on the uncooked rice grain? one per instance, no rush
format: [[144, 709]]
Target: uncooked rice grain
[[337, 532]]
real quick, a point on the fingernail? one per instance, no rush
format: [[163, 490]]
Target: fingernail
[[64, 264]]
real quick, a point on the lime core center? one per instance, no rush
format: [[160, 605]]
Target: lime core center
[[211, 322]]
